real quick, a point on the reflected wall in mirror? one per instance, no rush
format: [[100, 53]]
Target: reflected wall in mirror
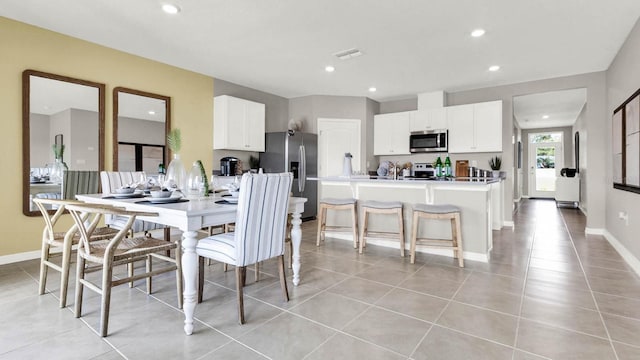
[[140, 126], [54, 108]]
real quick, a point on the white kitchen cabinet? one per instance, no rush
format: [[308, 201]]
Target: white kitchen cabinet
[[391, 133], [238, 124], [429, 119], [475, 127]]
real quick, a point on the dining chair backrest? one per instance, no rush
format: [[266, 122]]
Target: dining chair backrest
[[79, 182], [261, 218], [112, 180]]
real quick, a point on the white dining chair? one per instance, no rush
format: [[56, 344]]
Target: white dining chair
[[259, 234]]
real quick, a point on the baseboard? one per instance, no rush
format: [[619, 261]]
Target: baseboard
[[628, 257], [394, 244], [506, 223], [583, 209], [13, 258], [525, 196], [594, 231]]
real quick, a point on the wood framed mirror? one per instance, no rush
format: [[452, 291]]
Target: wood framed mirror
[[141, 121], [56, 107]]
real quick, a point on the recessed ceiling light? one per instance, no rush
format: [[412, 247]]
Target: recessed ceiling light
[[329, 69], [494, 68], [372, 89], [170, 8], [545, 116], [477, 32], [151, 112]]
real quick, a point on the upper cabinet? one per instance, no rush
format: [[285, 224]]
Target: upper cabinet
[[429, 119], [475, 127], [391, 133], [238, 124]]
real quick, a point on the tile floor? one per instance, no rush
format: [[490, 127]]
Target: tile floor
[[549, 292]]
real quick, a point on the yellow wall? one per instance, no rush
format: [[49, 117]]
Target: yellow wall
[[28, 47]]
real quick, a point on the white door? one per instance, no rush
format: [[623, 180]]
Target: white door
[[335, 138], [545, 162]]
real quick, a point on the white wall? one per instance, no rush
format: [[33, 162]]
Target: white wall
[[623, 79]]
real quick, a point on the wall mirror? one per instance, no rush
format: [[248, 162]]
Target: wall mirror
[[140, 126], [63, 113]]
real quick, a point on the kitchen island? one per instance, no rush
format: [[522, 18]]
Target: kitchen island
[[480, 200]]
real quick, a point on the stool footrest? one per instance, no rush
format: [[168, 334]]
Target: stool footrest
[[444, 242], [381, 234]]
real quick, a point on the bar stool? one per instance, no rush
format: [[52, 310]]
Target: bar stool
[[381, 207], [438, 212], [337, 204]]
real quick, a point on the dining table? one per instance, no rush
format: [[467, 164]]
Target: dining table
[[191, 216]]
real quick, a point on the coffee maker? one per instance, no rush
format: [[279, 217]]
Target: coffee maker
[[228, 166]]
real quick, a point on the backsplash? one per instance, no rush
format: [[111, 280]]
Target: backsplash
[[481, 159]]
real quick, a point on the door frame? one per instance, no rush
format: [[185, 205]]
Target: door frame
[[531, 156], [321, 124]]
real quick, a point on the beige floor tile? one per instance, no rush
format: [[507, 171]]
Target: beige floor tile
[[396, 332], [330, 309], [626, 288], [617, 305], [361, 289], [223, 316], [557, 343], [342, 346], [431, 286], [421, 306], [626, 352], [446, 344], [287, 337], [568, 317], [547, 291], [383, 275], [490, 299], [523, 355], [234, 351], [482, 323], [622, 329]]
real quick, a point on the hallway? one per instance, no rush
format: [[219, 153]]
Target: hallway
[[549, 292]]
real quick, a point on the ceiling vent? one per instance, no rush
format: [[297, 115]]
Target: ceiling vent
[[348, 54]]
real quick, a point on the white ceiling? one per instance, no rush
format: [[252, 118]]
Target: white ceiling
[[409, 46], [48, 96], [560, 107]]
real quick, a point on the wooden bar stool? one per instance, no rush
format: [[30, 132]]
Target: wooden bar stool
[[381, 207], [438, 212], [337, 204]]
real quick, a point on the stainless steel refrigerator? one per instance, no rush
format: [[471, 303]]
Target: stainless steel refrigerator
[[294, 152]]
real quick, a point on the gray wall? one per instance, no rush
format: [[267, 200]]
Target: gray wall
[[141, 131], [39, 140], [623, 79], [596, 111], [567, 136], [398, 105], [310, 108], [276, 115]]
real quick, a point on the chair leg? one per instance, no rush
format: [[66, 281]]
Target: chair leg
[[200, 278], [283, 278], [130, 272], [290, 254], [79, 286], [240, 274], [257, 271], [457, 236], [44, 256], [401, 231], [106, 297], [363, 229], [149, 269], [414, 235], [321, 222], [64, 276], [354, 218]]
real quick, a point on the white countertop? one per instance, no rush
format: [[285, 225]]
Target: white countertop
[[455, 180]]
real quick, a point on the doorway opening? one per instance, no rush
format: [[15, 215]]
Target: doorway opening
[[545, 161]]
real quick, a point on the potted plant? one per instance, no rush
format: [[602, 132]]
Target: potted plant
[[495, 163]]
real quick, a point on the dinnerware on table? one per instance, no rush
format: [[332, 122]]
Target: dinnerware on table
[[160, 194]]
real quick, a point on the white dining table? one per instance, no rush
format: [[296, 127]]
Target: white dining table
[[191, 216]]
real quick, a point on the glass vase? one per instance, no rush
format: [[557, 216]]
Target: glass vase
[[176, 178], [195, 183], [57, 171]]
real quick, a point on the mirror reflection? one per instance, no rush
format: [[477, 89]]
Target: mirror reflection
[[141, 122], [63, 122]]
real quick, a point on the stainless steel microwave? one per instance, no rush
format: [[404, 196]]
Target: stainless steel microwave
[[428, 141]]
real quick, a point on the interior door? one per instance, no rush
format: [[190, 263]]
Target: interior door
[[545, 162], [335, 138]]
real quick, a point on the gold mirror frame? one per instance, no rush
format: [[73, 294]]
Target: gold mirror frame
[[26, 128], [167, 119]]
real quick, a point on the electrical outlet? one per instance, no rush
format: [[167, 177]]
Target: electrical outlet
[[623, 215]]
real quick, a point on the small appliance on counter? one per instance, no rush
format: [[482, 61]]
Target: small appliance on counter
[[423, 170], [228, 166]]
